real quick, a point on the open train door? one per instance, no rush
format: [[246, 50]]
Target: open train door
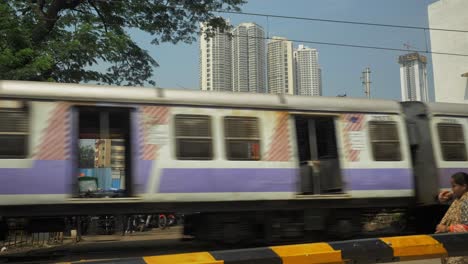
[[104, 166], [318, 155]]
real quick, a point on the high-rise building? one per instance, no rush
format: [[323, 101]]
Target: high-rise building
[[118, 162], [215, 61], [413, 77], [102, 158], [248, 58], [308, 79], [450, 72], [280, 66], [320, 81]]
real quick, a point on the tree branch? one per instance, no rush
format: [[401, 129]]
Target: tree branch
[[80, 11], [41, 5], [91, 2], [51, 16], [39, 10]]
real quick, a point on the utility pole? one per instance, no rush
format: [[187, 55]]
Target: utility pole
[[366, 82]]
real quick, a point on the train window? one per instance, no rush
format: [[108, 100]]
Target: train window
[[385, 141], [14, 120], [242, 138], [452, 142], [193, 137]]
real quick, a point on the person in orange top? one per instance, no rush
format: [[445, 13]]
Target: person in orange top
[[456, 217]]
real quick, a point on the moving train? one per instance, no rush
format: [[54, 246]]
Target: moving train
[[239, 166]]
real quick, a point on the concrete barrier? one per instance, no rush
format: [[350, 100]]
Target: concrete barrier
[[362, 251]]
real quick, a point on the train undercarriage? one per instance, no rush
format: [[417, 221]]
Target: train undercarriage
[[241, 226]]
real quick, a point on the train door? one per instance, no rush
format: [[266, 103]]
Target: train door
[[422, 152], [318, 155], [103, 152]]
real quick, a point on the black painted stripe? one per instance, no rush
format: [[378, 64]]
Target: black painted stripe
[[456, 244], [365, 251], [261, 255]]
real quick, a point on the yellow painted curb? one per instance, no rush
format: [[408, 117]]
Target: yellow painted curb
[[193, 258], [308, 253], [415, 247]]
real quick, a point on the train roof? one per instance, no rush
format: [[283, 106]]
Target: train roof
[[448, 109], [144, 95]]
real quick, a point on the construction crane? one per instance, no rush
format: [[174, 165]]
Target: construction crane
[[408, 46]]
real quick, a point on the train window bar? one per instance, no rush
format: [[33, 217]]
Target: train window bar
[[14, 129], [452, 141], [193, 137], [385, 141], [242, 138]]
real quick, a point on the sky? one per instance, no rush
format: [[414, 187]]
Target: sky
[[341, 66]]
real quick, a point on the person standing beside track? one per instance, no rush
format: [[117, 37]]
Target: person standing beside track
[[456, 217]]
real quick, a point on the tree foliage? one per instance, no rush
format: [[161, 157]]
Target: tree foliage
[[86, 157], [65, 40]]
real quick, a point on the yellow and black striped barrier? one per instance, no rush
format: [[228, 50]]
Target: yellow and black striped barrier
[[376, 250]]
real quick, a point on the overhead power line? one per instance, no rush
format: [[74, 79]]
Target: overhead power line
[[340, 21], [337, 21], [312, 19], [351, 45]]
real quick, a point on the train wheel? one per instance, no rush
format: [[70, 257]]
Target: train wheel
[[162, 221], [171, 220]]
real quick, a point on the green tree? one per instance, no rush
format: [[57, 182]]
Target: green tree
[[64, 40], [86, 157]]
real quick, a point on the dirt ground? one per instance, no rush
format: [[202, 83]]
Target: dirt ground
[[170, 233]]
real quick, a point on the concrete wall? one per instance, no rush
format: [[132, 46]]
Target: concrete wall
[[449, 85]]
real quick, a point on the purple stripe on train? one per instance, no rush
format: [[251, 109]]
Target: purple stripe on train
[[52, 177], [446, 173], [228, 180], [45, 177], [141, 168], [378, 179], [274, 180]]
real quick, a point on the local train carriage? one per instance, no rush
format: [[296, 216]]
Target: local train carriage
[[206, 155], [449, 124], [376, 156], [214, 151], [70, 149]]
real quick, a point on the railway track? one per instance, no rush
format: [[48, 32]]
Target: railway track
[[149, 243], [168, 241]]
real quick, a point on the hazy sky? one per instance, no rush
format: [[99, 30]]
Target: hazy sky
[[341, 66]]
